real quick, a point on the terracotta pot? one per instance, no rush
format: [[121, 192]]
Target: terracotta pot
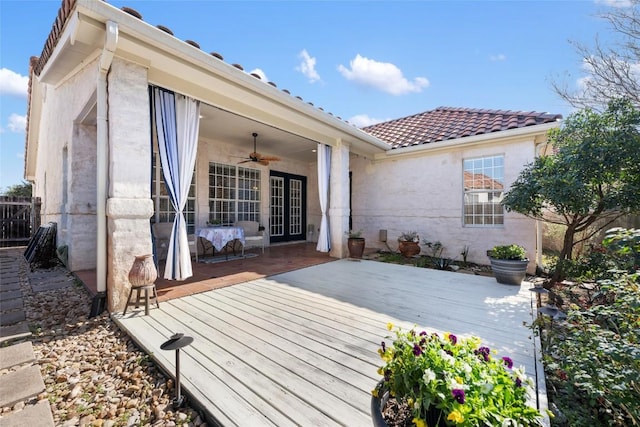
[[143, 271], [408, 249], [356, 246]]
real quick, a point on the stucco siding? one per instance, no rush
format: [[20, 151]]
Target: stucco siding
[[65, 173], [425, 193]]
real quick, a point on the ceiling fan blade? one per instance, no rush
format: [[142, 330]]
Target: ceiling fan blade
[[263, 162], [270, 158], [246, 161]]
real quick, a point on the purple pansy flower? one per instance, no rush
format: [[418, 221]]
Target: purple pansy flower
[[458, 394], [453, 339], [384, 347], [423, 333], [518, 382], [507, 361], [483, 352], [417, 351]]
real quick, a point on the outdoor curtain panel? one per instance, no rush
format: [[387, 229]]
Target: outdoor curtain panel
[[324, 167], [177, 119]]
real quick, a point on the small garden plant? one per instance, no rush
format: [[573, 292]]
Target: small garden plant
[[460, 379], [592, 359], [510, 252]]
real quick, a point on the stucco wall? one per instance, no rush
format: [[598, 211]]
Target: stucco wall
[[425, 193], [210, 150], [65, 172]]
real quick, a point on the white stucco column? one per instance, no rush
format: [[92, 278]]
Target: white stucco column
[[129, 204], [339, 198]]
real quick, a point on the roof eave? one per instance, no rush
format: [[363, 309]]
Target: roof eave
[[132, 29], [33, 128], [493, 137]]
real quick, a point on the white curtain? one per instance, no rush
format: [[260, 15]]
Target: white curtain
[[324, 167], [177, 119]]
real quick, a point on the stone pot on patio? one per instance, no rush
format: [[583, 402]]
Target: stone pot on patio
[[408, 249], [509, 263], [378, 403], [509, 271], [143, 271], [356, 247]]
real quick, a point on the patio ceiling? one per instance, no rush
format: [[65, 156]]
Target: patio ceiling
[[220, 125]]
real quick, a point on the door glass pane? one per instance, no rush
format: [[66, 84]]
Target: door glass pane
[[276, 226]]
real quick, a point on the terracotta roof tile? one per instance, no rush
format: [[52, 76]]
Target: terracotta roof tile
[[446, 123]]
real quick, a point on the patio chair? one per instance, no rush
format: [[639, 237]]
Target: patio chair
[[253, 236], [161, 236]]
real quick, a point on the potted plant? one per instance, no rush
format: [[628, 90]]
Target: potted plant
[[355, 243], [509, 263], [437, 381], [408, 244]]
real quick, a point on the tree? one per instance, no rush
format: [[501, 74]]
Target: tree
[[23, 190], [614, 71], [591, 179]]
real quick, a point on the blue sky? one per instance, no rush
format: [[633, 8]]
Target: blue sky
[[365, 61]]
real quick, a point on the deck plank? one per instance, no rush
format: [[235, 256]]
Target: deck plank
[[299, 348]]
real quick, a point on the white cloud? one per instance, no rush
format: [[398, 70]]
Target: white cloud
[[12, 83], [363, 120], [498, 57], [17, 123], [616, 3], [381, 75], [308, 66], [261, 73]]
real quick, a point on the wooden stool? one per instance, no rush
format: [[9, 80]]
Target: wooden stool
[[136, 303]]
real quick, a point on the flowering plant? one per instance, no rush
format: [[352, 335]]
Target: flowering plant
[[409, 236], [458, 378]]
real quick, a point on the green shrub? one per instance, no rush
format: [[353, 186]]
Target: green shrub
[[593, 362], [512, 252]]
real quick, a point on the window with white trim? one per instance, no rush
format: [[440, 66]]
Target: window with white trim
[[163, 209], [483, 191], [234, 194]]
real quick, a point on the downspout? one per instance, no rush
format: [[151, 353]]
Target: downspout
[[102, 166]]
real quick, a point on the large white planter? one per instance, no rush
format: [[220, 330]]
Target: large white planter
[[508, 271]]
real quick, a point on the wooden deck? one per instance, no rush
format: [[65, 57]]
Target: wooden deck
[[299, 348]]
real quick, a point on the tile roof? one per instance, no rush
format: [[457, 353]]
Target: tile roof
[[445, 123]]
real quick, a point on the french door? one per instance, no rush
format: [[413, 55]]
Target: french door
[[288, 207]]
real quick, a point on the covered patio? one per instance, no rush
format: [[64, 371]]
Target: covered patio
[[299, 348]]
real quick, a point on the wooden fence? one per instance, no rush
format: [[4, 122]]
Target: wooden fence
[[19, 219]]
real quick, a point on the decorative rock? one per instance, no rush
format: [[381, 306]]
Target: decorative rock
[[93, 372]]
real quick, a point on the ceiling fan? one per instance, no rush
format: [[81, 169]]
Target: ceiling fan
[[257, 157]]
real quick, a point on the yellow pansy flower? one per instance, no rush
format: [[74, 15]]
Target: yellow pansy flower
[[456, 417], [389, 326], [419, 422], [374, 392], [380, 371]]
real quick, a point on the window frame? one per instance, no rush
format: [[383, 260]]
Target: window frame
[[495, 174], [234, 197]]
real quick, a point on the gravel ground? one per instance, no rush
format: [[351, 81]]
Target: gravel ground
[[94, 374]]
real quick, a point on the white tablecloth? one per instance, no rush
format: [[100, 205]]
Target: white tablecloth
[[220, 236]]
